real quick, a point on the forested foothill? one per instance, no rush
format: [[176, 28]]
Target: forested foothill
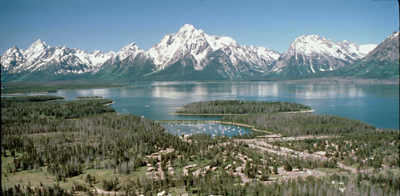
[[85, 147]]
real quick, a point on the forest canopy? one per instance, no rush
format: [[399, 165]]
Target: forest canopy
[[73, 147], [240, 107]]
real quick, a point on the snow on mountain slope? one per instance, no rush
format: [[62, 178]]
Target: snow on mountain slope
[[311, 53], [387, 50], [11, 57], [40, 56], [130, 50], [381, 62], [193, 42], [174, 46], [189, 51]]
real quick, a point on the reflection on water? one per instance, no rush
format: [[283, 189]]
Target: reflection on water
[[373, 104], [213, 129]]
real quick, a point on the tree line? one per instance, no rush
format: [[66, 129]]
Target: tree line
[[240, 107], [299, 124]]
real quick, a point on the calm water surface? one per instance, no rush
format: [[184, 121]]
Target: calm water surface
[[206, 128], [374, 104]]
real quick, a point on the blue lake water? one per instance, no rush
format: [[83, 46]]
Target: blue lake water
[[374, 104]]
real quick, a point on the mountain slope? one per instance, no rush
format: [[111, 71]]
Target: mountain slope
[[191, 54], [189, 51], [42, 62], [312, 54], [185, 55], [381, 62]]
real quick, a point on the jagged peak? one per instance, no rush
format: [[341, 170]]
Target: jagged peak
[[187, 28], [96, 52], [39, 41], [393, 35], [13, 49], [312, 37], [131, 46], [266, 49], [39, 44], [345, 42]]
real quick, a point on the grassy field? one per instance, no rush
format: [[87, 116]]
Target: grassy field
[[5, 160], [33, 178], [24, 178]]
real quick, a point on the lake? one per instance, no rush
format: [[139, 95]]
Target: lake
[[376, 104]]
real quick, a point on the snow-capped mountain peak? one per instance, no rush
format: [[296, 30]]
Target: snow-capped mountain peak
[[308, 38], [36, 48], [313, 52], [39, 44], [11, 57], [189, 51], [96, 52], [199, 45], [174, 46], [130, 50], [12, 50], [388, 49], [313, 44], [186, 28], [393, 35]]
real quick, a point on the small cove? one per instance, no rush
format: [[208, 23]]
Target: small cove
[[214, 129]]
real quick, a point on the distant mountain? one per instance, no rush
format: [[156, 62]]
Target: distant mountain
[[191, 54], [312, 54], [42, 62], [381, 62], [187, 54]]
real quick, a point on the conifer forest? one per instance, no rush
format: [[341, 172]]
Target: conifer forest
[[50, 146]]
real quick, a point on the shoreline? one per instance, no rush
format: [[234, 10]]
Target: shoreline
[[45, 92], [341, 80], [86, 98], [246, 125], [58, 100], [306, 111], [192, 114], [109, 103]]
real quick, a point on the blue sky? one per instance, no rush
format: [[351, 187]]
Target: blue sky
[[110, 25]]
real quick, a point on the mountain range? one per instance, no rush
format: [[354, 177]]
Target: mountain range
[[191, 54]]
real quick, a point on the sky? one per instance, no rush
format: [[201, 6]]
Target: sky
[[110, 25]]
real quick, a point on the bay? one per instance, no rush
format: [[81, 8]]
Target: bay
[[214, 129], [376, 104]]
